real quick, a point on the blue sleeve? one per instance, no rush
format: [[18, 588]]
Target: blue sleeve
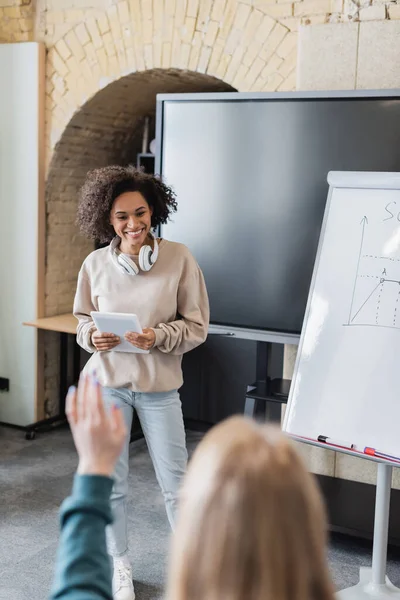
[[83, 568]]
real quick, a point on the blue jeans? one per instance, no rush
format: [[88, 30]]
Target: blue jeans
[[161, 418]]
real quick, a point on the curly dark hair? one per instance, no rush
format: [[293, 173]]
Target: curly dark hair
[[104, 185]]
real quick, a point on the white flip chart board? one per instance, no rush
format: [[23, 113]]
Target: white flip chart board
[[346, 382]]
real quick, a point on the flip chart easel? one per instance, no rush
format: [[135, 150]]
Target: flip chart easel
[[350, 343]]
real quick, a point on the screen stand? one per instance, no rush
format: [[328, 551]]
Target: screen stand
[[374, 584], [265, 396], [264, 369]]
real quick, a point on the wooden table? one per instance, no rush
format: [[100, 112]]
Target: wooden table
[[65, 325]]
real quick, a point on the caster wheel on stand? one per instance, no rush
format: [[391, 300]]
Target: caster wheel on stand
[[30, 435]]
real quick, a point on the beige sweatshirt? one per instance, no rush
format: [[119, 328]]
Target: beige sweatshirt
[[171, 298]]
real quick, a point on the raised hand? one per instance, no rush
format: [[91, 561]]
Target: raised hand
[[98, 434]]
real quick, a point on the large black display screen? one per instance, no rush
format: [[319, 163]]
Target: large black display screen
[[251, 183]]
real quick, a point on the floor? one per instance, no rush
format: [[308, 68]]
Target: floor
[[35, 476]]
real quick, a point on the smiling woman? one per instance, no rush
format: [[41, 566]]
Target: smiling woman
[[162, 284], [110, 194]]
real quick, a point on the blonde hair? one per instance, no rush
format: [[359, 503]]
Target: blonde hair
[[251, 522]]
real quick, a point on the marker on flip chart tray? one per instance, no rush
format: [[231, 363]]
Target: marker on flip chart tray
[[373, 452], [334, 442]]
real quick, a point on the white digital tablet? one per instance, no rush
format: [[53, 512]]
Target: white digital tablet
[[119, 324]]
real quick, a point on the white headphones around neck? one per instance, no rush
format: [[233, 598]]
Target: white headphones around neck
[[147, 257]]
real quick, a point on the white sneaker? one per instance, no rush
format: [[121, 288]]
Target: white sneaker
[[122, 585]]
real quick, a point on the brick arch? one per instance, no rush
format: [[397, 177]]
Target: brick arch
[[106, 130], [250, 48]]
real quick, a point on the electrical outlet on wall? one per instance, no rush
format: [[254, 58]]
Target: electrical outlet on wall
[[4, 384]]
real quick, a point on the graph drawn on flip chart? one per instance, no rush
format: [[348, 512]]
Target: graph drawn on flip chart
[[376, 294]]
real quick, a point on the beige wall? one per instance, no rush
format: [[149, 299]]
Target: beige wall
[[16, 21], [360, 55]]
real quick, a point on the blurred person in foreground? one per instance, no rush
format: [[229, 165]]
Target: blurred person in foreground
[[251, 521]]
